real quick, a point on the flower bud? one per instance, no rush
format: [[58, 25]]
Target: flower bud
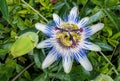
[[24, 44]]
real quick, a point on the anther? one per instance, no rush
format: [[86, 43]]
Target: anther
[[73, 41]]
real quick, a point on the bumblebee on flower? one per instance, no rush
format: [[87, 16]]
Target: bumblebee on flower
[[68, 39]]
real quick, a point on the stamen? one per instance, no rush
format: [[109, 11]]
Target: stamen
[[73, 41], [61, 29]]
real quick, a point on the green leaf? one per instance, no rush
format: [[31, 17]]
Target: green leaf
[[95, 17], [22, 12], [116, 7], [99, 3], [109, 30], [3, 51], [86, 10], [74, 75], [76, 72], [27, 75], [117, 78], [24, 44], [37, 58], [104, 46], [18, 68], [4, 9], [103, 77], [116, 36], [84, 1], [61, 76], [13, 34], [111, 2], [6, 70], [59, 6], [42, 77], [20, 23], [5, 48], [105, 68], [113, 18], [113, 42]]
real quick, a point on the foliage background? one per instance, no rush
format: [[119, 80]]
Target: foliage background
[[18, 17]]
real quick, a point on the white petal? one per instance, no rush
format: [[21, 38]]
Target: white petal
[[85, 63], [83, 22], [73, 14], [96, 28], [51, 57], [57, 19], [67, 63], [91, 46], [41, 27], [44, 44]]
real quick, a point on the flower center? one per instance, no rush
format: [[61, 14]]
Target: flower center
[[69, 34]]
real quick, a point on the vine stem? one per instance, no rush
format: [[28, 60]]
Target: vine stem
[[109, 62], [35, 11], [19, 74]]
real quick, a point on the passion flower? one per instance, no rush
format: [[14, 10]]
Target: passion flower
[[68, 39]]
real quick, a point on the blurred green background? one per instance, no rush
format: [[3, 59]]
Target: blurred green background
[[19, 16]]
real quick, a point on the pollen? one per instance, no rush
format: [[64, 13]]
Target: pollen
[[69, 26]]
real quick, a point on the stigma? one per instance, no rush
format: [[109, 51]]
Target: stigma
[[68, 35]]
